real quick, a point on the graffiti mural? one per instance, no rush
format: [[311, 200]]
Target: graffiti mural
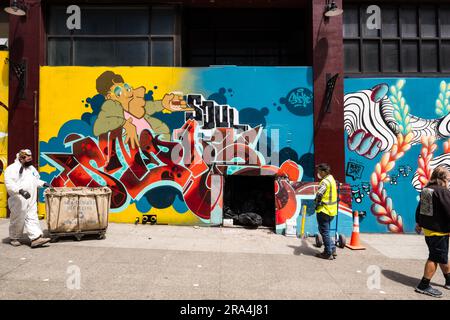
[[397, 130], [3, 128], [163, 138]]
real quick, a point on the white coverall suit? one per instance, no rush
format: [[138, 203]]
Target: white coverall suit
[[23, 211]]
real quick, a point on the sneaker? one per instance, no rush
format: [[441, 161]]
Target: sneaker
[[39, 242], [430, 291], [447, 286], [15, 243], [334, 253], [325, 256]]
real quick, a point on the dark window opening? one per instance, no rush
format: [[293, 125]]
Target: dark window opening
[[411, 39], [114, 36], [244, 37], [250, 194]]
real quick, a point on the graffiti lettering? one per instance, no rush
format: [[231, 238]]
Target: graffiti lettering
[[360, 191], [402, 172], [354, 170], [299, 101], [211, 115], [131, 172]]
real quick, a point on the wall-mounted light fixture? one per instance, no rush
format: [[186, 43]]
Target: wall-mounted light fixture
[[17, 8], [332, 10]]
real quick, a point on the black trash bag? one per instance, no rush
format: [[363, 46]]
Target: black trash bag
[[229, 214], [250, 219]]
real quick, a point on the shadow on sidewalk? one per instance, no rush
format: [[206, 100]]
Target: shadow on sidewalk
[[22, 240], [304, 249], [403, 279]]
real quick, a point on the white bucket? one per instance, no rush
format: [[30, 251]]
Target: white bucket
[[227, 222], [291, 229]]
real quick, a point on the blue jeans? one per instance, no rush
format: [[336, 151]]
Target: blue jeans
[[324, 222]]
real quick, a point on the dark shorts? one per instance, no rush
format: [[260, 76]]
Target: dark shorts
[[438, 248]]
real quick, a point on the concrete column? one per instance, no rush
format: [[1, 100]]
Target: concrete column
[[26, 42], [327, 60]]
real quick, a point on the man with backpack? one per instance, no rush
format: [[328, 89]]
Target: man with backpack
[[433, 218]]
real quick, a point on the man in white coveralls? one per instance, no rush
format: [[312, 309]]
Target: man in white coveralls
[[21, 181]]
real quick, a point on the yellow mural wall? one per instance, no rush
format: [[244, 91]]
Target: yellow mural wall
[[3, 129], [63, 97]]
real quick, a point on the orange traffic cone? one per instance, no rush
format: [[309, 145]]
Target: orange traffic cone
[[354, 241]]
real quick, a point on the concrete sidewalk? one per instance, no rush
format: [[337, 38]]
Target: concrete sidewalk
[[176, 262]]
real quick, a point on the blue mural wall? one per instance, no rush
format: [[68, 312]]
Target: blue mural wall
[[396, 132], [275, 98]]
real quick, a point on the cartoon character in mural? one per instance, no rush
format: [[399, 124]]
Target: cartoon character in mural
[[377, 122], [125, 107]]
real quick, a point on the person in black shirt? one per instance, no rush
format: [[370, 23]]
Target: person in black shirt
[[433, 218]]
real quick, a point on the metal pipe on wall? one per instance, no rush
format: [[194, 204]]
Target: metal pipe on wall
[[35, 124]]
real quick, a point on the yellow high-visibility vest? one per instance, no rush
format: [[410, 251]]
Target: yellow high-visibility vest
[[329, 200]]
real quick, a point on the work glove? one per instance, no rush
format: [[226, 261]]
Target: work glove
[[46, 185], [317, 201], [317, 205], [25, 194]]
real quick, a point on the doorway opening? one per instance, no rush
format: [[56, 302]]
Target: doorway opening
[[247, 197]]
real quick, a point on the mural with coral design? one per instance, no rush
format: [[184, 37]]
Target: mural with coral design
[[396, 132], [163, 138], [4, 72]]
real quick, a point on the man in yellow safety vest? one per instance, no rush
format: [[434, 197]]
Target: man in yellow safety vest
[[326, 209]]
